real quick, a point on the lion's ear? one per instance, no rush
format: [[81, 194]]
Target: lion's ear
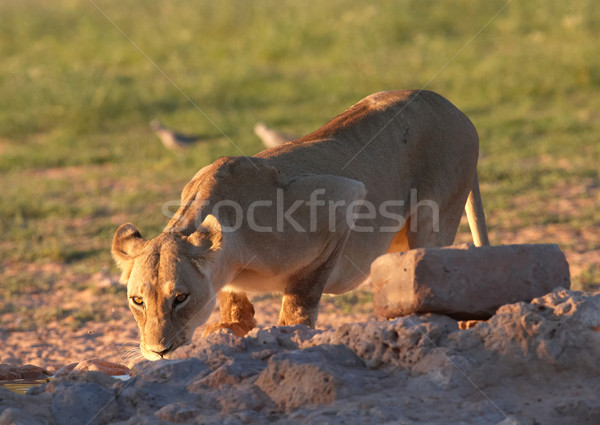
[[207, 237], [127, 243]]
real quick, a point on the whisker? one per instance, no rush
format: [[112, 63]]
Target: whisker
[[130, 356]]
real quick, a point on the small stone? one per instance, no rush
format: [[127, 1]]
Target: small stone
[[93, 365], [8, 372]]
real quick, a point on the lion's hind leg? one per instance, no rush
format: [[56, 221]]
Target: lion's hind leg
[[237, 314], [432, 225]]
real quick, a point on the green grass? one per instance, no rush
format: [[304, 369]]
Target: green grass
[[77, 157], [351, 302], [589, 280]]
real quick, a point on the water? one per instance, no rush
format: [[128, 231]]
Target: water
[[20, 386]]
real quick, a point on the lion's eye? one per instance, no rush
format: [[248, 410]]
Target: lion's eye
[[180, 298], [137, 300]]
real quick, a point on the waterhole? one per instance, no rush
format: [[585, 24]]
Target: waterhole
[[21, 386]]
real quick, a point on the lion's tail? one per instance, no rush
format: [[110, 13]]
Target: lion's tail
[[476, 216]]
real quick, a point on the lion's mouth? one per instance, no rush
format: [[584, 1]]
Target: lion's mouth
[[164, 352], [157, 355]]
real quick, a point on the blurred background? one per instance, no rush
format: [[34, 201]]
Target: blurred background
[[80, 81]]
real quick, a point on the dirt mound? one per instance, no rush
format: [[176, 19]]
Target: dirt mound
[[531, 363]]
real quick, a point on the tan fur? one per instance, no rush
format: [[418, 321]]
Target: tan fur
[[379, 150]]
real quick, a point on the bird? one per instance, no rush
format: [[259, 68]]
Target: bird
[[270, 137], [172, 140]]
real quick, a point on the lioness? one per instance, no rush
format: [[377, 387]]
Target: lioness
[[305, 218]]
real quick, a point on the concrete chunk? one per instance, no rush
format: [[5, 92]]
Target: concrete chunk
[[465, 283]]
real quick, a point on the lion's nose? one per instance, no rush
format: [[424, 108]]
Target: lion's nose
[[163, 352]]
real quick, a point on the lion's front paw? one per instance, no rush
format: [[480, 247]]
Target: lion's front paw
[[237, 328]]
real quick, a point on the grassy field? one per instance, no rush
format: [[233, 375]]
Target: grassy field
[[79, 85]]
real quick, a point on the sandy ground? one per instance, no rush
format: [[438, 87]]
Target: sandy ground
[[116, 340], [531, 363], [115, 337]]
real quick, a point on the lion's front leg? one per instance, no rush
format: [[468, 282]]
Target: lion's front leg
[[237, 314], [301, 298]]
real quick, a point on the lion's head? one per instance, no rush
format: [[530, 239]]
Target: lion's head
[[168, 283]]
